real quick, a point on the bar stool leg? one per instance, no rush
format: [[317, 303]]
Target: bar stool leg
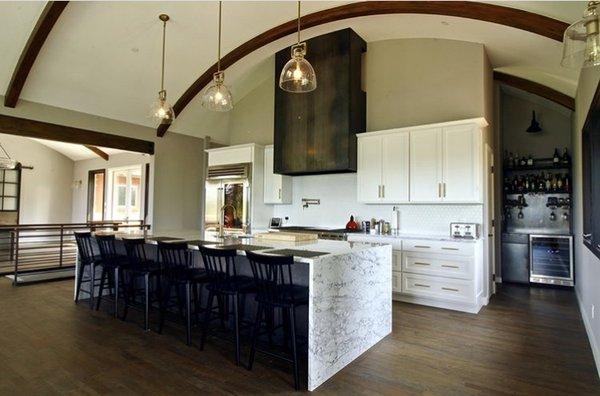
[[101, 290], [92, 284], [79, 280], [292, 314], [207, 313], [255, 332], [188, 313], [146, 301], [236, 322], [116, 313]]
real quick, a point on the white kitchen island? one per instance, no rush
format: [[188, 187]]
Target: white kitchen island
[[350, 296]]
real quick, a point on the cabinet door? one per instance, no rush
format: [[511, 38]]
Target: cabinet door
[[461, 156], [368, 177], [277, 188], [426, 165], [395, 164]]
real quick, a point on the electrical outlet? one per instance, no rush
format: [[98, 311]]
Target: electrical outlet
[[593, 311]]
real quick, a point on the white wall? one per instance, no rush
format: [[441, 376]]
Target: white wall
[[178, 159], [337, 193], [587, 266], [45, 189], [80, 174]]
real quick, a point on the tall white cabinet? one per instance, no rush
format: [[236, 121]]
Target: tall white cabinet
[[422, 164]]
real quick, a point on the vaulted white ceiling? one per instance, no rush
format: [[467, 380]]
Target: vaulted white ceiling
[[103, 58]]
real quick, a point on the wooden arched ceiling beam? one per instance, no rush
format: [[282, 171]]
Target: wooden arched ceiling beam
[[507, 16], [36, 41], [536, 89]]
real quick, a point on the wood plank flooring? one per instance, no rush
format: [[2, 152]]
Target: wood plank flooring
[[527, 341]]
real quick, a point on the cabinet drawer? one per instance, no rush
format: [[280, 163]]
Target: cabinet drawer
[[396, 282], [460, 248], [434, 287], [438, 264]]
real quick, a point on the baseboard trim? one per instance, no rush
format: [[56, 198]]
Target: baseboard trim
[[590, 334], [444, 304]]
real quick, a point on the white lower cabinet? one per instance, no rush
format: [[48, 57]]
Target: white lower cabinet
[[396, 271], [437, 287]]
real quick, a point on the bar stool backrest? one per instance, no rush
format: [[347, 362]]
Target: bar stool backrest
[[136, 250], [219, 263], [107, 247], [175, 256], [272, 275], [85, 246]]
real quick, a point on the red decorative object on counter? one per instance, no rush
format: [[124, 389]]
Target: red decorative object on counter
[[352, 225]]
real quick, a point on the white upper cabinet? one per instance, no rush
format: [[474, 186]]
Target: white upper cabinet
[[382, 175], [422, 164], [395, 165], [277, 188], [461, 156], [426, 165]]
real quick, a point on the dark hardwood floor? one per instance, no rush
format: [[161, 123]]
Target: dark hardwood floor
[[527, 341]]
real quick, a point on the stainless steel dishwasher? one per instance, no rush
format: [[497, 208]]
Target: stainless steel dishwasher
[[515, 258]]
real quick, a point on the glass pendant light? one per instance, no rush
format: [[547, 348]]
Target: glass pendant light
[[162, 111], [298, 75], [581, 41], [217, 97]]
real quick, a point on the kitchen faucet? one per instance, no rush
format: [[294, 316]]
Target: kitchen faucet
[[222, 218]]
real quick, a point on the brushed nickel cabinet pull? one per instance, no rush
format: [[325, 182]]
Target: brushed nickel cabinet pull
[[449, 248], [444, 184], [449, 289], [383, 191], [422, 247], [280, 193], [439, 190], [379, 191], [421, 285], [450, 266], [418, 263]]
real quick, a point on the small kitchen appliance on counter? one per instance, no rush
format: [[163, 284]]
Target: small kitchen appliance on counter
[[464, 230]]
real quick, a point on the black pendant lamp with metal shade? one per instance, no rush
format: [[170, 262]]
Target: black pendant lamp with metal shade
[[534, 127]]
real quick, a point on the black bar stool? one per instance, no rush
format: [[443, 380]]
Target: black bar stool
[[112, 269], [140, 267], [224, 282], [178, 270], [276, 290], [87, 259]]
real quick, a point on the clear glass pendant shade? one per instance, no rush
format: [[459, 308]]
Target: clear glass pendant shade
[[298, 74], [581, 41], [161, 110], [217, 96]]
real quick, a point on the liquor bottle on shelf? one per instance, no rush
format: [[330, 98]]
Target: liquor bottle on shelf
[[523, 161], [530, 160], [516, 160], [559, 183], [555, 158], [567, 184], [542, 183], [554, 183], [566, 160], [511, 161], [547, 183]]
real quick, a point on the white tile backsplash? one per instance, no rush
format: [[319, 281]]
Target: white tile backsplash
[[337, 193]]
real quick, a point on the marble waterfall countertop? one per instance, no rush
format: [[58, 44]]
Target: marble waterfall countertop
[[382, 237], [350, 295]]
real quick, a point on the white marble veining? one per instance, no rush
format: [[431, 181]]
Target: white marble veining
[[350, 308], [383, 238]]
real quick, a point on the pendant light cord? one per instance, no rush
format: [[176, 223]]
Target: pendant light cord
[[298, 22], [162, 76], [219, 42]]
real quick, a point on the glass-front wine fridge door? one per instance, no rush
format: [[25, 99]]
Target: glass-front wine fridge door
[[551, 259]]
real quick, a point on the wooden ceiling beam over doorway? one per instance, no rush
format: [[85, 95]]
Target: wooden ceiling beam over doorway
[[44, 130], [97, 151], [536, 89]]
